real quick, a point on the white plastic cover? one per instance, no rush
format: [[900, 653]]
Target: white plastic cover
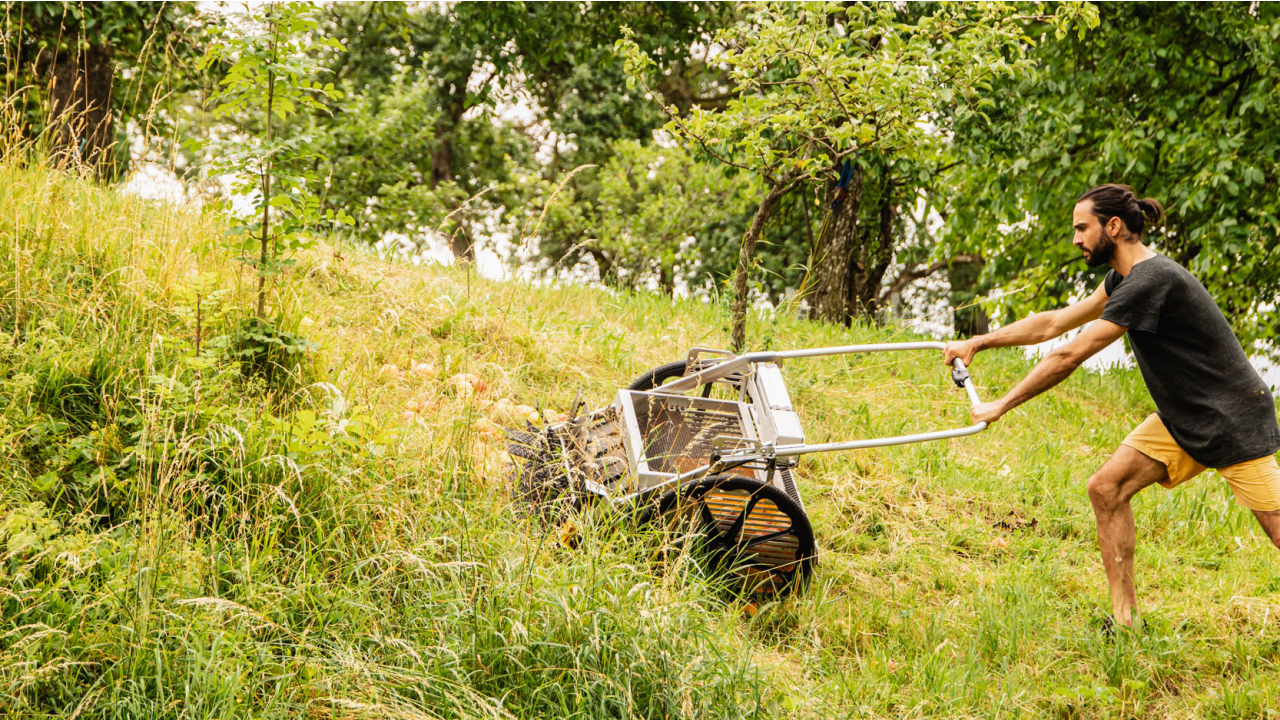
[[778, 404]]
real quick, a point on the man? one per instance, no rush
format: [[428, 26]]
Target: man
[[1213, 408]]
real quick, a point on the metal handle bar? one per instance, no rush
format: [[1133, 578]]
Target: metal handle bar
[[728, 367], [961, 375], [734, 364]]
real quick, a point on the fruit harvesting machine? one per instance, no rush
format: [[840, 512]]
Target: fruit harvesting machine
[[709, 446]]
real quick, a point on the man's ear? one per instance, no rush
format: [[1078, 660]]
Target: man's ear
[[1115, 227]]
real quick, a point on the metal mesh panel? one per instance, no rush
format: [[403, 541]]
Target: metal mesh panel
[[677, 434]]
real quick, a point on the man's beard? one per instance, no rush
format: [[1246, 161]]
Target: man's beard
[[1102, 254]]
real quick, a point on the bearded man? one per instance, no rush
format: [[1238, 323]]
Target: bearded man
[[1213, 409]]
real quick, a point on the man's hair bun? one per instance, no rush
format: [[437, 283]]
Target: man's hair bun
[[1112, 200], [1152, 211]]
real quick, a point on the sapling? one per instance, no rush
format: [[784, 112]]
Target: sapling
[[268, 78]]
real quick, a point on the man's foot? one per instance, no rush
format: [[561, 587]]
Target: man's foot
[[1107, 625]]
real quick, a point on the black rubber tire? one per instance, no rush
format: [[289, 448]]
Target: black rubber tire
[[751, 573], [658, 376]]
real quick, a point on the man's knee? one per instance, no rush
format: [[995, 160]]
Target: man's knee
[[1270, 521], [1104, 490], [1121, 477]]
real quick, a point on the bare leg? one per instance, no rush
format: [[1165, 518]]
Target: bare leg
[[1270, 522], [1110, 490]]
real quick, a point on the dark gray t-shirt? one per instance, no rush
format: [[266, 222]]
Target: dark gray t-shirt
[[1208, 395]]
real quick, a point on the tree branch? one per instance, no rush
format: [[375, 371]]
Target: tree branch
[[916, 272]]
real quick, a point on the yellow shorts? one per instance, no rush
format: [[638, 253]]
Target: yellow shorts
[[1256, 483]]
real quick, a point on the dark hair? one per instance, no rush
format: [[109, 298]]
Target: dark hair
[[1113, 200]]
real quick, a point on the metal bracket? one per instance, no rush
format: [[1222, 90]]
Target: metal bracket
[[753, 450], [695, 352], [719, 442], [595, 488], [960, 376]]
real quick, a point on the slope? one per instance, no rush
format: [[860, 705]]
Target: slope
[[180, 540]]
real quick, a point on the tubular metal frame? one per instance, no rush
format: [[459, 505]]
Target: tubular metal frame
[[770, 452]]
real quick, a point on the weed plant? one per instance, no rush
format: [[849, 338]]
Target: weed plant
[[180, 539]]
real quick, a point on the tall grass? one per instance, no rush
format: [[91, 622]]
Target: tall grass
[[177, 540]]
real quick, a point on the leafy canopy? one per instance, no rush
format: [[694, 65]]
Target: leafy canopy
[[1178, 100], [818, 83]]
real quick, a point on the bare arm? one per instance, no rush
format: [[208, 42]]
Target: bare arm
[[1031, 330], [1053, 369]]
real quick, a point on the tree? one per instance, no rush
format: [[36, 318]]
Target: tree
[[68, 59], [568, 65], [405, 160], [816, 85], [271, 77], [418, 137], [1178, 100], [662, 215]]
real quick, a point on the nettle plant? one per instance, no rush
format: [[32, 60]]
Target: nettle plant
[[265, 55]]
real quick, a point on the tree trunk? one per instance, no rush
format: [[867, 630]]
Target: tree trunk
[[667, 278], [871, 261], [80, 105], [460, 242], [453, 94], [738, 310], [969, 318], [854, 258], [266, 188], [836, 247], [453, 108], [441, 163]]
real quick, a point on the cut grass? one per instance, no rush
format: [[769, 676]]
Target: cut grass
[[178, 542]]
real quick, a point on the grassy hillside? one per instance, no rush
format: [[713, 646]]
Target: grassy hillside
[[178, 541]]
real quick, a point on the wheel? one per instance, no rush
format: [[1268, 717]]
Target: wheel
[[664, 374], [750, 531], [659, 376]]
